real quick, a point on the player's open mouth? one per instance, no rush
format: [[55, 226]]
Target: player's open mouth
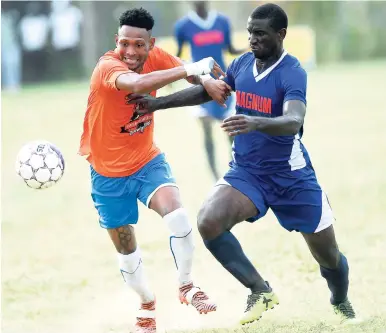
[[130, 61]]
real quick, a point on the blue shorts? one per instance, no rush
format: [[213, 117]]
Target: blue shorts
[[115, 198], [295, 197], [214, 110]]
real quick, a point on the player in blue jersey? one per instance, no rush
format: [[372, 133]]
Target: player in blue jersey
[[209, 34], [270, 168]]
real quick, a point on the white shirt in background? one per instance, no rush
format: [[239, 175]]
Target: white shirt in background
[[34, 32], [66, 24]]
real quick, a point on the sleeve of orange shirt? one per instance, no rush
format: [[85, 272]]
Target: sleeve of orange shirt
[[110, 69]]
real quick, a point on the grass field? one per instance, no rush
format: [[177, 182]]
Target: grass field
[[59, 269]]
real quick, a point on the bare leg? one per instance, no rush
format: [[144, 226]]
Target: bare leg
[[324, 248], [123, 239], [333, 264], [225, 208]]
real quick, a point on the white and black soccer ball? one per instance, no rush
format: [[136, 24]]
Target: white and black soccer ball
[[40, 164]]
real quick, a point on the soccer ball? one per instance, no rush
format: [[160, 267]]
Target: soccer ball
[[40, 164]]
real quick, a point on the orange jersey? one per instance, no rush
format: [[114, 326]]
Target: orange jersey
[[115, 145]]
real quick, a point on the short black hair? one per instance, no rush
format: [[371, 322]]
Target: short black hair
[[137, 17], [277, 16]]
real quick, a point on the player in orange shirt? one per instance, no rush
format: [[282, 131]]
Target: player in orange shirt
[[126, 165]]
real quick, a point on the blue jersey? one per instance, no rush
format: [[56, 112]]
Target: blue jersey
[[207, 38], [263, 94]]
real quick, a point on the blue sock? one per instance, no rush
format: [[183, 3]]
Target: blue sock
[[227, 250], [337, 280]]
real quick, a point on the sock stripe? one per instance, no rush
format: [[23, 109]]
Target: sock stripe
[[139, 264], [171, 248]]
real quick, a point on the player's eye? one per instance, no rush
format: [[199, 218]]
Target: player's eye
[[140, 45]]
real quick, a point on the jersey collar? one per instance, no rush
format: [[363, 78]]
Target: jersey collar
[[203, 24], [263, 74]]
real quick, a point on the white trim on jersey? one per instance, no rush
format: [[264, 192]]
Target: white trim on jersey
[[296, 160], [262, 75], [200, 22], [327, 216], [233, 152], [222, 181]]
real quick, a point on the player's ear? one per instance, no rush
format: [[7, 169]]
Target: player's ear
[[116, 39], [282, 33], [151, 43]]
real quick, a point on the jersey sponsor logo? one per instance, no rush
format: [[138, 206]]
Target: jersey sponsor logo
[[253, 102], [137, 124], [208, 37]]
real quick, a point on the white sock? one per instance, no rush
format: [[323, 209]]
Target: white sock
[[132, 270], [181, 243]]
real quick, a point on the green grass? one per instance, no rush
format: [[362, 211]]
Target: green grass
[[59, 270]]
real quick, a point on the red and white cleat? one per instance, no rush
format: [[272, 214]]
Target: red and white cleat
[[146, 319], [190, 294]]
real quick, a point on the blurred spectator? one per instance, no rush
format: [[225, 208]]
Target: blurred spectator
[[66, 21], [10, 51], [34, 28]]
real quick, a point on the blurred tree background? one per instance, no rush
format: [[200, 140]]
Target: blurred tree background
[[344, 30]]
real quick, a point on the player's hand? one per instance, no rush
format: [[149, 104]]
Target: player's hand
[[218, 90], [217, 71], [143, 103], [204, 66], [239, 124]]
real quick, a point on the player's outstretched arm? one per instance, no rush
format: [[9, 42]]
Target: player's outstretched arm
[[191, 96], [145, 83], [289, 123]]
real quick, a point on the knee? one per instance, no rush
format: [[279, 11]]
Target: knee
[[208, 225], [165, 200], [178, 222]]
